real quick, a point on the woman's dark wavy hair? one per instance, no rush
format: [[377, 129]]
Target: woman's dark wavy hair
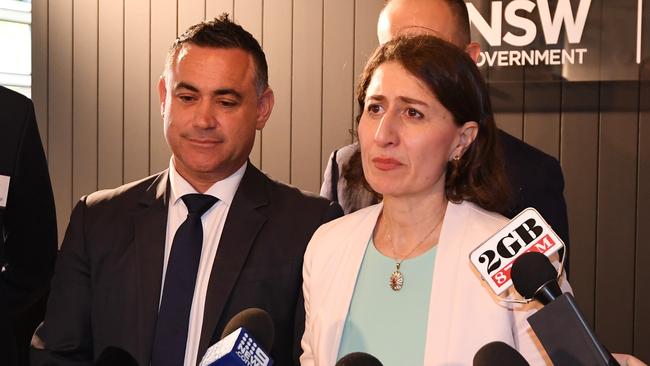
[[451, 75]]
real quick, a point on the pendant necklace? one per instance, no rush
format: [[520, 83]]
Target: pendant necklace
[[396, 281]]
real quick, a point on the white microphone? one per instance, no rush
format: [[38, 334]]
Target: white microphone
[[245, 341], [526, 232]]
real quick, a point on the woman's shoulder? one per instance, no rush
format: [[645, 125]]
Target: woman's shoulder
[[350, 222], [480, 217], [338, 234]]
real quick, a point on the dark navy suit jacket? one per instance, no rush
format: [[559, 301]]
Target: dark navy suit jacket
[[107, 282]]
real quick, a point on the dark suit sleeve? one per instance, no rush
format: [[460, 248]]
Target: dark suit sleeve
[[65, 336], [551, 204], [334, 211], [28, 237], [29, 219]]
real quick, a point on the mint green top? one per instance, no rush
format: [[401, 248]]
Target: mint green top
[[390, 325]]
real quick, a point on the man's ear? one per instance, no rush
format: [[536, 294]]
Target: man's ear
[[162, 94], [264, 107], [473, 49]]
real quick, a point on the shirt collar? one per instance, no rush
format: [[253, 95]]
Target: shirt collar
[[224, 189]]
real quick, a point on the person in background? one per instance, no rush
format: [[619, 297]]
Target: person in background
[[535, 177], [158, 267], [394, 279], [28, 237]]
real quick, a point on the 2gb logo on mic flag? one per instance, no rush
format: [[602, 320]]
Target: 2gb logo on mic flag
[[527, 232]]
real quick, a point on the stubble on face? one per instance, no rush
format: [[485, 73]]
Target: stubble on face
[[210, 112]]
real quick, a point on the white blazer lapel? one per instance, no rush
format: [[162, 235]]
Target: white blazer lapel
[[343, 271], [444, 282]]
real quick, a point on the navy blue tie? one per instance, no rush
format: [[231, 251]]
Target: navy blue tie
[[174, 314]]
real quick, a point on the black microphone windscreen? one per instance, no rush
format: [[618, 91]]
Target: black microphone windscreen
[[113, 356], [498, 353], [358, 359], [257, 322], [530, 272]]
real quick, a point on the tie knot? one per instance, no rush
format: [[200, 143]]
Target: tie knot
[[197, 203]]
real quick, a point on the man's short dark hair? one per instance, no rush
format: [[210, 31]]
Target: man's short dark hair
[[221, 32], [462, 34]]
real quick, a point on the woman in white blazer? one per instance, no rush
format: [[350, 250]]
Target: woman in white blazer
[[394, 280]]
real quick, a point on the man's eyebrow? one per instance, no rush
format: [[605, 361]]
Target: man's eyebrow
[[216, 92], [184, 85], [228, 91]]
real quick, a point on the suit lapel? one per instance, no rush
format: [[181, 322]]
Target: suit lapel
[[149, 225], [445, 282], [242, 225], [343, 281]]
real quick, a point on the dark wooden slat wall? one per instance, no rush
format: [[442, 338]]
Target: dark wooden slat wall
[[579, 159], [96, 68], [642, 272], [617, 176], [642, 248], [617, 156]]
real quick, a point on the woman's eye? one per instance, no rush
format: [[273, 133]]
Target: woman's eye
[[413, 113], [374, 108]]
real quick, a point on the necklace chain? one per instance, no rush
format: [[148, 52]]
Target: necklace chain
[[396, 281], [424, 239]]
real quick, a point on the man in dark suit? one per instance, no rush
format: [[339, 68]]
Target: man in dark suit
[[133, 274], [535, 177], [28, 241]]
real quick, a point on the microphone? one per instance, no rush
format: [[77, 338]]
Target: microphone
[[358, 359], [498, 353], [113, 356], [244, 341], [559, 325]]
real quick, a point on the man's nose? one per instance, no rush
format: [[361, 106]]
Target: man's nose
[[206, 115]]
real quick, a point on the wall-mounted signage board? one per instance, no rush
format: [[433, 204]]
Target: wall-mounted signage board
[[573, 40]]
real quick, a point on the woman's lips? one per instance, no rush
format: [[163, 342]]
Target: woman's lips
[[386, 163]]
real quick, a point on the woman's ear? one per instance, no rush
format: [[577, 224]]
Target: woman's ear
[[467, 134]]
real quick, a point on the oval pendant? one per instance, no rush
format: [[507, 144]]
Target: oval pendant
[[396, 280]]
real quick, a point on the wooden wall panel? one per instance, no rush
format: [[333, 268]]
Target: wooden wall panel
[[248, 14], [84, 99], [40, 48], [579, 160], [162, 34], [110, 127], [277, 31], [60, 108], [366, 13], [190, 12], [642, 274], [508, 101], [542, 115], [616, 216], [338, 76], [307, 94], [642, 253], [617, 187], [136, 89], [214, 8]]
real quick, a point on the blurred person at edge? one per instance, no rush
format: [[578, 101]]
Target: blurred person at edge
[[394, 279], [28, 242], [535, 177]]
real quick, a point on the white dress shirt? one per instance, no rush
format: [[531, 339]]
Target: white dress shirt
[[213, 221]]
